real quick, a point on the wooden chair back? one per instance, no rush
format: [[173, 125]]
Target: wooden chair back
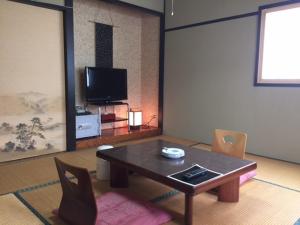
[[231, 143], [78, 205]]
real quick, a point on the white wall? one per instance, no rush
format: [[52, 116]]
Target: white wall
[[209, 76]]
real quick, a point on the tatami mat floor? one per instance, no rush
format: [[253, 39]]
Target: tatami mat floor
[[271, 198], [271, 170]]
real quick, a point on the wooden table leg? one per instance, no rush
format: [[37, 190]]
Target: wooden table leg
[[188, 215], [118, 176], [229, 192]]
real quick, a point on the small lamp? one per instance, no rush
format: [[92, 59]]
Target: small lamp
[[135, 119]]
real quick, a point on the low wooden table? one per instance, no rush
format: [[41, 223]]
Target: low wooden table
[[146, 160]]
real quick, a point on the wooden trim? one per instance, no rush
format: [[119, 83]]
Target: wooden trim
[[70, 81], [212, 21], [277, 4], [41, 4], [69, 3], [161, 74]]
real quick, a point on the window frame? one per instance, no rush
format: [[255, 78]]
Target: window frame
[[263, 10]]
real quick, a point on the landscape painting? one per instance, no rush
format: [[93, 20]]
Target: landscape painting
[[32, 81], [31, 124]]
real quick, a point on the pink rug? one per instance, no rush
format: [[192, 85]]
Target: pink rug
[[117, 209], [247, 176]]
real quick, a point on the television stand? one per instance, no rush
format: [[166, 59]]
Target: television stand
[[117, 119]]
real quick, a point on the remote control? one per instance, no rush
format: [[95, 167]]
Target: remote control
[[195, 173]]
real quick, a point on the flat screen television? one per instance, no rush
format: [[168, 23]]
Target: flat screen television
[[105, 84]]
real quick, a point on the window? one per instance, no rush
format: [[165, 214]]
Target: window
[[279, 45]]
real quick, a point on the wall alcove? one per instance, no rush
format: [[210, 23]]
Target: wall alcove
[[136, 46]]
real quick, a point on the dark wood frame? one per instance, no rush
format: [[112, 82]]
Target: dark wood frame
[[69, 65], [261, 8], [161, 73], [219, 20]]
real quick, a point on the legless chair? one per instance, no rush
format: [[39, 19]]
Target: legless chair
[[79, 206], [232, 143]]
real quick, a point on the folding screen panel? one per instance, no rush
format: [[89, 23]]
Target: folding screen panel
[[32, 81]]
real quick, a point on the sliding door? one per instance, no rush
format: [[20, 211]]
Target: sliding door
[[32, 81]]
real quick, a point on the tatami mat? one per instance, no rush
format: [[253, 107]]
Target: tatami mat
[[37, 171], [259, 204], [278, 172], [14, 212], [264, 201], [271, 170]]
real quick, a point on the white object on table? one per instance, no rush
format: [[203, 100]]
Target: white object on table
[[172, 153]]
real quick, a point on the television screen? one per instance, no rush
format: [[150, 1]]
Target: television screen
[[105, 84]]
